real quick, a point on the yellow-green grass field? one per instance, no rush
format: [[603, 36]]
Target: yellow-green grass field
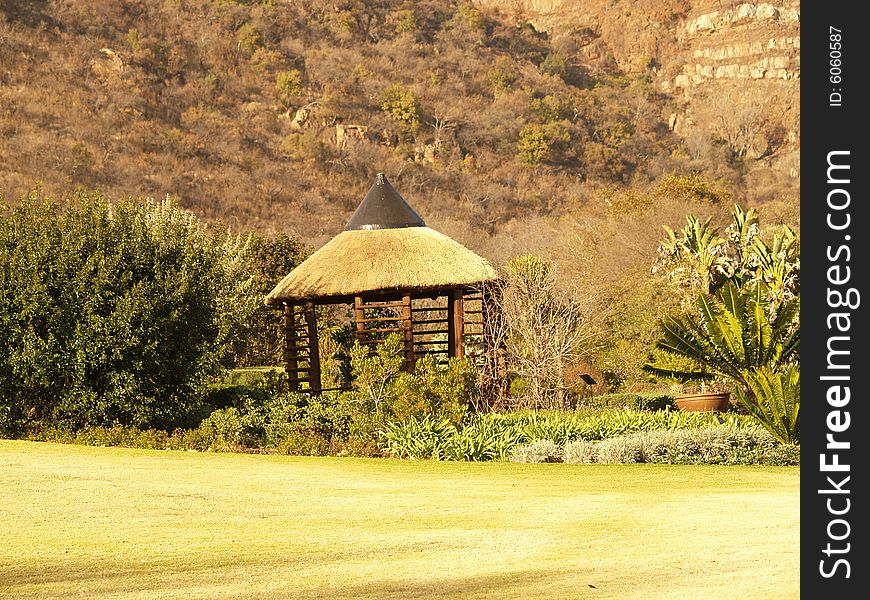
[[83, 522]]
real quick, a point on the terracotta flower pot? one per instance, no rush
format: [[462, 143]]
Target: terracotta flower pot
[[710, 401]]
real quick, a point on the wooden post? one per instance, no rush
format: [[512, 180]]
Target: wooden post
[[455, 324], [359, 316], [408, 331], [291, 356], [313, 349]]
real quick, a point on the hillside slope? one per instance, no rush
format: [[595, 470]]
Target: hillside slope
[[276, 115]]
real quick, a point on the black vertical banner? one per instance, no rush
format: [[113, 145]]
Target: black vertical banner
[[835, 300]]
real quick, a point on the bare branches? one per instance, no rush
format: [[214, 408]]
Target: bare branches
[[543, 329]]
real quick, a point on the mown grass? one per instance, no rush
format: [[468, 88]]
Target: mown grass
[[83, 522]]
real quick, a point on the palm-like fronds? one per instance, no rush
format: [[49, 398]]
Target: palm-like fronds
[[774, 399], [730, 333]]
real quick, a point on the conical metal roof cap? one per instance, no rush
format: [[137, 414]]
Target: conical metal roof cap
[[383, 208]]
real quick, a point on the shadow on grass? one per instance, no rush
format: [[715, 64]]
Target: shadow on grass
[[116, 578]]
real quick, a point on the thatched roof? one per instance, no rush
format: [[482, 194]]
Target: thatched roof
[[386, 247]]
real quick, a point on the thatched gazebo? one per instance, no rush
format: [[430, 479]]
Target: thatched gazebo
[[399, 275]]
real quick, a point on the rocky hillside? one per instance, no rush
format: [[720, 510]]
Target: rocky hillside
[[732, 68], [275, 115]]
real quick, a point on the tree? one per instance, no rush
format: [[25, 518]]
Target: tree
[[259, 338], [400, 104], [698, 260], [289, 86], [538, 142], [545, 329]]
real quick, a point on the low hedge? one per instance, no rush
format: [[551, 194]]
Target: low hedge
[[495, 436], [631, 401], [724, 445]]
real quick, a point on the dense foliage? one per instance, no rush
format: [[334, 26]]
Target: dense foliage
[[120, 313], [494, 436]]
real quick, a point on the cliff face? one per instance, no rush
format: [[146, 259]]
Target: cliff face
[[733, 68]]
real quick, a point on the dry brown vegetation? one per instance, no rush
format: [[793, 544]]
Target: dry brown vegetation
[[275, 116]]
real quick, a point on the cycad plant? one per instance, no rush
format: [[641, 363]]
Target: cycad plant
[[774, 399], [737, 334]]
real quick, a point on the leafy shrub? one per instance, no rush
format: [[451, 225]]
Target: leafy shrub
[[495, 436], [774, 398], [435, 389], [580, 452], [249, 39], [467, 16], [401, 104], [539, 451], [226, 429], [482, 439], [423, 438], [502, 76], [112, 314], [549, 108], [374, 373], [537, 143], [557, 427], [405, 21], [693, 188], [568, 426], [289, 86]]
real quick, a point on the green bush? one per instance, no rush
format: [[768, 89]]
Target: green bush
[[381, 387], [693, 188], [482, 439], [422, 438], [468, 17], [111, 313], [495, 436], [434, 389], [249, 39], [289, 86], [226, 429], [502, 76], [538, 143], [401, 104]]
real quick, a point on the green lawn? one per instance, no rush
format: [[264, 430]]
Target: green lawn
[[81, 522]]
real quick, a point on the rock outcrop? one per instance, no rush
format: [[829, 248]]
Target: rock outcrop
[[732, 67]]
